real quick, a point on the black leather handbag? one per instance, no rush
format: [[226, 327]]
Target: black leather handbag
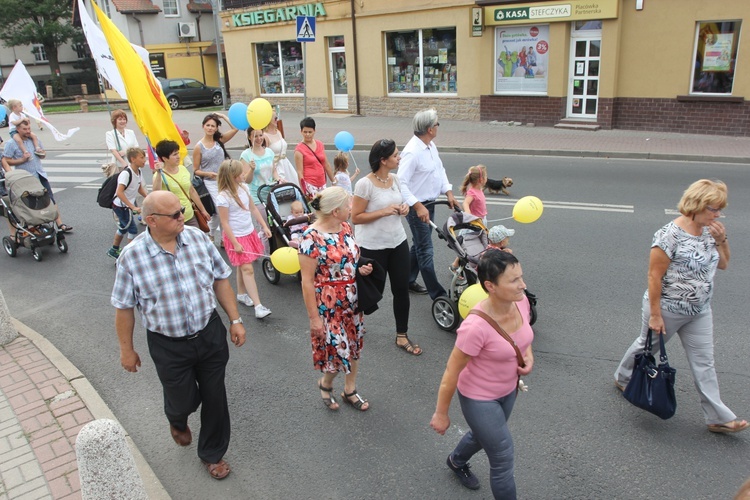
[[208, 202], [651, 386]]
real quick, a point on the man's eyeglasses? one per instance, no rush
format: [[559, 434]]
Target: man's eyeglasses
[[175, 215], [436, 125]]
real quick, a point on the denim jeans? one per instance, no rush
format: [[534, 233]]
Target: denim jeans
[[489, 431], [421, 253]]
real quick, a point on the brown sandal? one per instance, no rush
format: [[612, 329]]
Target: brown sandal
[[729, 427], [412, 349], [219, 470], [329, 401], [359, 403]]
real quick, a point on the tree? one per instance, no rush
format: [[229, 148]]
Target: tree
[[45, 22]]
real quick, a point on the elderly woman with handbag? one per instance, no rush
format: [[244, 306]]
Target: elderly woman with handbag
[[684, 257], [485, 366]]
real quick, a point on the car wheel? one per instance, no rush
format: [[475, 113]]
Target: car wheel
[[217, 100], [174, 101]]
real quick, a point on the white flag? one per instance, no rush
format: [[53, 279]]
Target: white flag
[[19, 85], [101, 53]]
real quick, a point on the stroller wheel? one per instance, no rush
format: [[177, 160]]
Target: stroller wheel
[[271, 273], [62, 245], [10, 246], [37, 253], [445, 313]]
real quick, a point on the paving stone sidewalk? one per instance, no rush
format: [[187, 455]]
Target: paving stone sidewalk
[[44, 402], [40, 416]]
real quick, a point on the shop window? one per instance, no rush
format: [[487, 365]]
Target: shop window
[[171, 8], [522, 58], [280, 68], [421, 61], [715, 57]]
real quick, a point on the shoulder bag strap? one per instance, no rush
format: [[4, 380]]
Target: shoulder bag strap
[[315, 154], [178, 184], [494, 324]]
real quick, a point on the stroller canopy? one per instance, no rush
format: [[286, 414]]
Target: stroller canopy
[[29, 200]]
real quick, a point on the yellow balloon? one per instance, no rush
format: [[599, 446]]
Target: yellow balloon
[[259, 113], [285, 260], [471, 297], [528, 209]]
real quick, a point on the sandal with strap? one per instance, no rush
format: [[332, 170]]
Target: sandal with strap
[[412, 349], [219, 470], [359, 403], [329, 401]]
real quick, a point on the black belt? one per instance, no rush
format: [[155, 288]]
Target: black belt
[[214, 315]]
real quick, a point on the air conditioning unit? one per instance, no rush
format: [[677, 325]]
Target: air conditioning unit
[[186, 30]]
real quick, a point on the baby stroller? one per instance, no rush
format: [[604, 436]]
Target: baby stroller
[[466, 235], [27, 205], [278, 203]]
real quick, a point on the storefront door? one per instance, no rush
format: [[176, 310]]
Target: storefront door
[[337, 63], [583, 90]]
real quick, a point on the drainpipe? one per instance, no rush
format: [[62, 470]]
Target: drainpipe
[[198, 22], [140, 29], [356, 65]]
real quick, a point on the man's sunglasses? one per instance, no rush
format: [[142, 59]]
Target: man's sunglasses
[[175, 215]]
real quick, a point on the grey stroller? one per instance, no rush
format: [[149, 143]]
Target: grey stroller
[[27, 206]]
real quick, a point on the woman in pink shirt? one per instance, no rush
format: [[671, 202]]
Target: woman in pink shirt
[[485, 369], [310, 160]]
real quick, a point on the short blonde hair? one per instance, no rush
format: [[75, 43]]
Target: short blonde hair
[[117, 114], [12, 103], [329, 200], [701, 194]]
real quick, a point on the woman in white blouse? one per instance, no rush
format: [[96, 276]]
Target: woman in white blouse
[[377, 208], [120, 139]]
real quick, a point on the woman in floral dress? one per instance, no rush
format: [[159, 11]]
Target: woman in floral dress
[[328, 260]]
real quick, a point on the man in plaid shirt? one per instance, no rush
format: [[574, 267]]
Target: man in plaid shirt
[[174, 275]]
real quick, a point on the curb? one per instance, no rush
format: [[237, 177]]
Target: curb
[[94, 403]]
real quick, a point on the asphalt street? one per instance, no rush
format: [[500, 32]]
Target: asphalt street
[[575, 436]]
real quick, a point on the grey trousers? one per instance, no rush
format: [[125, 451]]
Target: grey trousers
[[697, 337]]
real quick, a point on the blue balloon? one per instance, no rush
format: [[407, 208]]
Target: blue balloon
[[344, 141], [238, 115], [3, 112]]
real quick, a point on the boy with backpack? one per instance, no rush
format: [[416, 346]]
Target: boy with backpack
[[129, 185]]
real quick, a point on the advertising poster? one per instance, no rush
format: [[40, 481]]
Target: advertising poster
[[718, 50], [521, 59]]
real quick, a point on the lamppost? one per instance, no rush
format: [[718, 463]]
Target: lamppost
[[220, 58]]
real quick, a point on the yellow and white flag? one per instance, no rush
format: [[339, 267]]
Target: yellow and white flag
[[145, 96]]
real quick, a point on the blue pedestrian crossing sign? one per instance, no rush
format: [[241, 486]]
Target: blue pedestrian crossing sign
[[305, 29]]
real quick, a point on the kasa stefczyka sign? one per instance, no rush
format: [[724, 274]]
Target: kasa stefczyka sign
[[280, 15], [572, 10]]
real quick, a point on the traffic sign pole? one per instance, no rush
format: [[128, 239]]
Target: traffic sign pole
[[305, 33]]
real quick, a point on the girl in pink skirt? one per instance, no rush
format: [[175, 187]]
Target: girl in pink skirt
[[236, 210]]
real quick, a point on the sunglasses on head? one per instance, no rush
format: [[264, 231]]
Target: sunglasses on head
[[175, 215]]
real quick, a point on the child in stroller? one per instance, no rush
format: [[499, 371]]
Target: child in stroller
[[468, 237], [288, 213]]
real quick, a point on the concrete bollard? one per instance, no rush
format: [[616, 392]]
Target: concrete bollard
[[48, 90], [84, 105], [84, 89], [105, 465], [8, 332]]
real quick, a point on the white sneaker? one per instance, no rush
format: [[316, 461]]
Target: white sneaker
[[245, 299], [261, 311]]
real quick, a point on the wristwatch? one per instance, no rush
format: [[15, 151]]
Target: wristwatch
[[237, 321]]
